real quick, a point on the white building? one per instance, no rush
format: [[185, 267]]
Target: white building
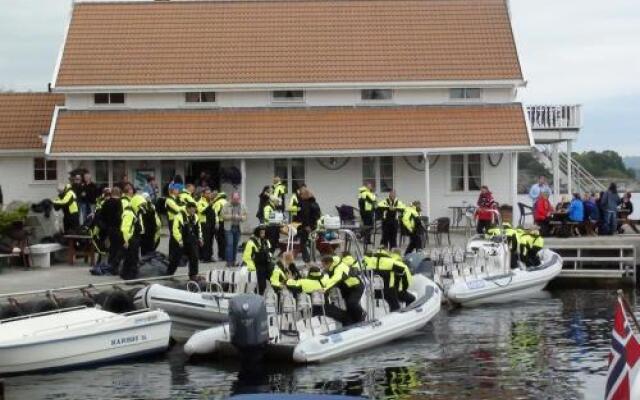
[[331, 93]]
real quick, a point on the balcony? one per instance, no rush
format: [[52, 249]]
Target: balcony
[[555, 117]]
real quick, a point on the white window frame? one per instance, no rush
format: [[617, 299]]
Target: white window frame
[[289, 178], [109, 103], [378, 173], [200, 103], [45, 180], [302, 100], [465, 99], [378, 101], [465, 166]]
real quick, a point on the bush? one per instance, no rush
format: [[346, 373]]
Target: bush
[[8, 218]]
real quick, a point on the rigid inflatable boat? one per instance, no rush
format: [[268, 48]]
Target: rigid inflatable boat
[[78, 336], [196, 309], [298, 336], [486, 275]]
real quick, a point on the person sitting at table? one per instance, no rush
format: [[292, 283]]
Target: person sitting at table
[[542, 210], [576, 212], [484, 213], [626, 209], [591, 213]]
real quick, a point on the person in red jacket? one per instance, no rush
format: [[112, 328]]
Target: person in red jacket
[[542, 210], [485, 211]]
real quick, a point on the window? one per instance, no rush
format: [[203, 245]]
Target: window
[[44, 170], [465, 94], [118, 171], [379, 172], [200, 97], [288, 95], [108, 98], [102, 173], [290, 168], [376, 94], [466, 172]]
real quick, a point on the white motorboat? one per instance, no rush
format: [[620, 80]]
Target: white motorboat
[[78, 336], [298, 336], [486, 275], [192, 309]]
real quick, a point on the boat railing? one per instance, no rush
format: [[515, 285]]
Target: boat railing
[[41, 314], [142, 281]]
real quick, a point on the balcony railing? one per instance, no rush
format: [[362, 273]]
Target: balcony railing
[[555, 117]]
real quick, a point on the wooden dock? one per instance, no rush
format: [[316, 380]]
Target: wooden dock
[[601, 257]]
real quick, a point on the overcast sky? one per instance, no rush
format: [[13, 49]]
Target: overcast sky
[[573, 51]]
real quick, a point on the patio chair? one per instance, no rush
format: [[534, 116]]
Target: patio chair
[[440, 227], [524, 211], [347, 214]]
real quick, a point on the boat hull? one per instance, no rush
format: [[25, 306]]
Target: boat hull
[[337, 343], [189, 312], [89, 342], [519, 284]]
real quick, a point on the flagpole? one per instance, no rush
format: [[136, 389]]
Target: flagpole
[[629, 309]]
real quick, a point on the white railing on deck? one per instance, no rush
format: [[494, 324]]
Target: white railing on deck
[[555, 116]]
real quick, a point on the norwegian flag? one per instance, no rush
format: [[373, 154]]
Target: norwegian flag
[[624, 364]]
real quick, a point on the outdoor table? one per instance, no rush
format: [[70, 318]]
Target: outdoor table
[[457, 212], [85, 248]]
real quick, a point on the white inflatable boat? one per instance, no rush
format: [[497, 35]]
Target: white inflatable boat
[[79, 336], [303, 338], [193, 309], [488, 277]]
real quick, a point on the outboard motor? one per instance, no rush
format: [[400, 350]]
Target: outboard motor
[[248, 322]]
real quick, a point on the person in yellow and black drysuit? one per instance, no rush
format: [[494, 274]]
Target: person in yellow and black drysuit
[[367, 206], [207, 224], [347, 280], [131, 228], [279, 190], [219, 201], [312, 283], [151, 223], [412, 225], [511, 237], [273, 230], [294, 204], [530, 244], [395, 274], [173, 204], [185, 239], [67, 202], [257, 257], [284, 268], [389, 211], [186, 195]]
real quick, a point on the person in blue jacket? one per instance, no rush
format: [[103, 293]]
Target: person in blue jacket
[[576, 209]]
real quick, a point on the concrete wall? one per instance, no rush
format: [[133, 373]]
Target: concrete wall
[[329, 97], [16, 179]]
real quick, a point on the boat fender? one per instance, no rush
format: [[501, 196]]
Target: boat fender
[[248, 322], [10, 311], [40, 306], [118, 301]]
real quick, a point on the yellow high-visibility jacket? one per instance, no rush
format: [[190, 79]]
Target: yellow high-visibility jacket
[[67, 201]]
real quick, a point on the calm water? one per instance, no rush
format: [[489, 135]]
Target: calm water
[[551, 347]]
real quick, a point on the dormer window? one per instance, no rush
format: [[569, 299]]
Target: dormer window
[[376, 94], [287, 96], [465, 94], [108, 98], [200, 97]]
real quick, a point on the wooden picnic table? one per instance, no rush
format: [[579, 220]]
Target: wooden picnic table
[[80, 246]]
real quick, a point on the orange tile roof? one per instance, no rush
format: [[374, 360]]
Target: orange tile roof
[[287, 41], [267, 130], [24, 117]]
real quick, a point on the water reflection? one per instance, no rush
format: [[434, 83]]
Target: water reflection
[[552, 347]]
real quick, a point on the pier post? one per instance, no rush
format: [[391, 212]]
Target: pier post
[[514, 190], [569, 168], [555, 159], [427, 187]]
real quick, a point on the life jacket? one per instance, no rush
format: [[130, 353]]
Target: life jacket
[[366, 199], [390, 209], [409, 217], [218, 203], [256, 252], [131, 225]]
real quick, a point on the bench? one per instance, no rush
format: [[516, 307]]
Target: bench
[[84, 249]]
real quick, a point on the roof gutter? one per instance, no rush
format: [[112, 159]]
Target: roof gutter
[[284, 154], [499, 83]]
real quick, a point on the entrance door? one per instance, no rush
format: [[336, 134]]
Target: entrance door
[[208, 171]]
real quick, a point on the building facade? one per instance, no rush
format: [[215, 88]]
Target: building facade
[[418, 96]]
